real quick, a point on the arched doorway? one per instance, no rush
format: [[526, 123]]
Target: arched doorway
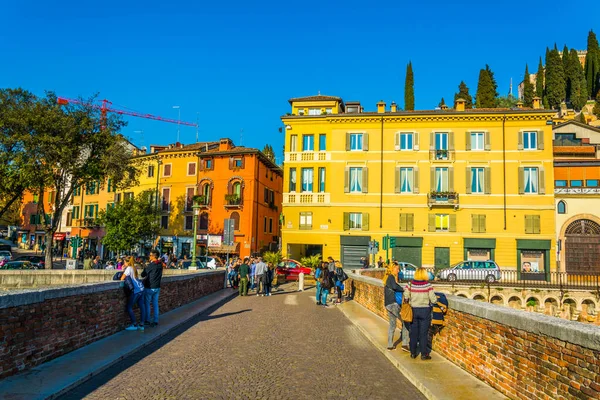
[[582, 247]]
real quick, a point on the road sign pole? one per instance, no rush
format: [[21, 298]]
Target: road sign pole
[[387, 249]]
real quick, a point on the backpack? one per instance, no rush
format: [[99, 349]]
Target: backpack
[[326, 281], [117, 276]]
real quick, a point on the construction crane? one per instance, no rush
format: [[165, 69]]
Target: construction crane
[[106, 107]]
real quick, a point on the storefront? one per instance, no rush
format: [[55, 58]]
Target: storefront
[[533, 259], [479, 249], [175, 245], [354, 250], [59, 242], [408, 249]]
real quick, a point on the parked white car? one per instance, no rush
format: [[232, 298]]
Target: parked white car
[[487, 271]]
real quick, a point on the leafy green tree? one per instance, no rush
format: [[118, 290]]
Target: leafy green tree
[[555, 79], [507, 102], [409, 88], [486, 93], [441, 103], [527, 89], [592, 65], [132, 221], [463, 93], [269, 152], [539, 80]]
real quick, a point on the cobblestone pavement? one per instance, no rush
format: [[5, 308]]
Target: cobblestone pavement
[[278, 347]]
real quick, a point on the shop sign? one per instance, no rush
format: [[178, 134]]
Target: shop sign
[[214, 241]]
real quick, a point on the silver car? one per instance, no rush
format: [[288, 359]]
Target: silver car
[[407, 271], [487, 271]]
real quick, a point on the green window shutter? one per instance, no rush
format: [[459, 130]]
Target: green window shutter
[[482, 223], [96, 211], [450, 140], [410, 222], [487, 180], [416, 141], [521, 180], [431, 222], [451, 179], [431, 140], [474, 223], [540, 140], [432, 179], [48, 219], [520, 141], [452, 222], [467, 140], [541, 181], [109, 185], [468, 180], [536, 224], [403, 222], [397, 180], [32, 219], [528, 224], [365, 221], [346, 221], [365, 180], [416, 180], [365, 141], [347, 180], [487, 141], [347, 141]]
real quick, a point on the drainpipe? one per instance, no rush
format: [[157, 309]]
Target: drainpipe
[[381, 181], [504, 164]]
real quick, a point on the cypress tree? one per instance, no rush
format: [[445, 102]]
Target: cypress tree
[[442, 103], [485, 97], [539, 80], [555, 79], [494, 83], [576, 85], [409, 89], [596, 109], [527, 89], [463, 93], [592, 65], [581, 118]]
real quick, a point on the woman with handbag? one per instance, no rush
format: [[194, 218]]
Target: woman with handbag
[[421, 297], [136, 288], [340, 277], [326, 284], [393, 293]]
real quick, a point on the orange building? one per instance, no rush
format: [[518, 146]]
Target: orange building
[[31, 234]]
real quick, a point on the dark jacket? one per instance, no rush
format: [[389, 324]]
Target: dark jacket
[[440, 308], [391, 287], [154, 273]]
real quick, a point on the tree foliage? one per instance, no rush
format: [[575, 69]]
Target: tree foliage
[[311, 262], [528, 92], [507, 102], [130, 222], [592, 65], [269, 152], [596, 109], [272, 257], [555, 79], [539, 80], [442, 103], [409, 89], [463, 93], [576, 85], [486, 90]]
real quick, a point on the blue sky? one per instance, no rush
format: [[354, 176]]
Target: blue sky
[[236, 63]]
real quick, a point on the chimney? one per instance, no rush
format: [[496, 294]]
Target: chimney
[[225, 144], [381, 107], [536, 103], [520, 105], [460, 104], [394, 106], [444, 107]]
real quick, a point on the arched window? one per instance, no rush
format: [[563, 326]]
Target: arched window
[[206, 192], [561, 207], [204, 221], [237, 189], [236, 219]]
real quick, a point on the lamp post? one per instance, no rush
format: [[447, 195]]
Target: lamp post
[[196, 208]]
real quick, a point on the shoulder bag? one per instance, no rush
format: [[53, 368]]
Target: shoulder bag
[[406, 312]]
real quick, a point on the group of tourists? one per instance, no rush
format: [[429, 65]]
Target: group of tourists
[[251, 274], [413, 306], [330, 275], [142, 290]]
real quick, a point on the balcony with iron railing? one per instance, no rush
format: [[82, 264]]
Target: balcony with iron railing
[[442, 199], [576, 190], [441, 155], [233, 201]]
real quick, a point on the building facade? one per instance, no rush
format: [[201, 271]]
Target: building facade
[[447, 185], [577, 196]]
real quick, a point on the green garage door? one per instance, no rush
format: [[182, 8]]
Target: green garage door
[[351, 256], [408, 254]]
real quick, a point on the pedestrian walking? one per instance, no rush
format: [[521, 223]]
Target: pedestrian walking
[[269, 278], [421, 297], [252, 273], [326, 284], [243, 277], [136, 295], [392, 305], [261, 270], [340, 277], [87, 262], [153, 275], [318, 274]]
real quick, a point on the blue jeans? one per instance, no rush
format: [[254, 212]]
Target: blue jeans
[[136, 298], [419, 330], [318, 291], [152, 297], [324, 293], [252, 282]]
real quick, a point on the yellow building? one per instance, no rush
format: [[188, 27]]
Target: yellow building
[[447, 185]]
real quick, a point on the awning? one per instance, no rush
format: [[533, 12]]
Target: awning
[[59, 236], [225, 248]]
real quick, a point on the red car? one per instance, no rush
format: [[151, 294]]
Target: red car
[[292, 269]]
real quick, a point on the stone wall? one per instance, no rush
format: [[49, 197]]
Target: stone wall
[[523, 355], [39, 325]]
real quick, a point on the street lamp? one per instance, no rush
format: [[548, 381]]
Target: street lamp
[[178, 121], [196, 207]]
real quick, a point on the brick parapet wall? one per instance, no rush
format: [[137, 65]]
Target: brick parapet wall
[[38, 326], [523, 355]]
